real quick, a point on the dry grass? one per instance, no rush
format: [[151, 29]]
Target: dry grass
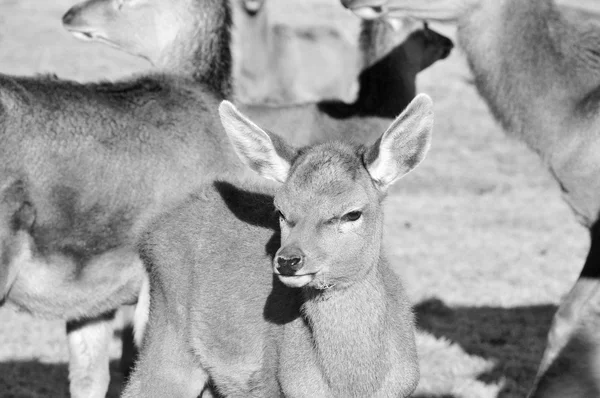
[[479, 232]]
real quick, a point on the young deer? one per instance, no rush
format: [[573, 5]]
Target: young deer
[[538, 68], [333, 320]]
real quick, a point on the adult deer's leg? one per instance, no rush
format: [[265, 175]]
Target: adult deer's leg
[[88, 342], [574, 337]]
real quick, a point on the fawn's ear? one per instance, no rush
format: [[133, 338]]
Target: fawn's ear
[[266, 154], [404, 145]]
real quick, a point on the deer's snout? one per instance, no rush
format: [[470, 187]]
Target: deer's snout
[[70, 16], [289, 261]]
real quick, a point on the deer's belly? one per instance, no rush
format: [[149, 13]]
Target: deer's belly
[[57, 287]]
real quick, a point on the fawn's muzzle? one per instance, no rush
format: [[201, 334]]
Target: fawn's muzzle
[[289, 264]]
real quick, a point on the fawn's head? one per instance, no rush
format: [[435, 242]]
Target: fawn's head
[[329, 200]]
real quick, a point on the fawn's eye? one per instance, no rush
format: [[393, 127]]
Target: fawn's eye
[[352, 216]]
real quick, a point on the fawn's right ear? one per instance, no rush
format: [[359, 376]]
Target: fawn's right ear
[[263, 153]]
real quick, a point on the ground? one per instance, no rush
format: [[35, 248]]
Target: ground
[[479, 231]]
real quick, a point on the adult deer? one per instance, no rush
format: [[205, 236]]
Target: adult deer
[[135, 26], [546, 93], [83, 166], [332, 321]]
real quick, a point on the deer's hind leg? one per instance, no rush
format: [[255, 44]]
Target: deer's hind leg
[[571, 362], [166, 366]]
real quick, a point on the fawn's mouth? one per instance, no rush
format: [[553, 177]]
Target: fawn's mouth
[[296, 280]]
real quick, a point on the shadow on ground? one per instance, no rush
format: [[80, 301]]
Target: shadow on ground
[[32, 379], [514, 338]]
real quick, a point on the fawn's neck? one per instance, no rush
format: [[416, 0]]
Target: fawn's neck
[[348, 329]]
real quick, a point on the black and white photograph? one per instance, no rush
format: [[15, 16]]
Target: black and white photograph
[[299, 198]]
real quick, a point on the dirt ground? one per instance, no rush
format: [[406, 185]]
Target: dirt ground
[[479, 232]]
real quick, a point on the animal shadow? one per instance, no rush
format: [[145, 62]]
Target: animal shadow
[[33, 379], [514, 338], [282, 305]]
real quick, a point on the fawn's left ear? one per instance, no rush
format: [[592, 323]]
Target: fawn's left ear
[[266, 154], [403, 146]]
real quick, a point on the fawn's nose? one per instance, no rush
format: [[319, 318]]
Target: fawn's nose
[[289, 263]]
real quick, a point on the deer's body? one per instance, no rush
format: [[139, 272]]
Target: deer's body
[[538, 68], [332, 322], [546, 94], [96, 160]]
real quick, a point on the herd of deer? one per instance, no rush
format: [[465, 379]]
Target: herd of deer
[[140, 191]]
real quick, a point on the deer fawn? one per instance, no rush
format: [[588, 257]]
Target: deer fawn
[[282, 289]]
